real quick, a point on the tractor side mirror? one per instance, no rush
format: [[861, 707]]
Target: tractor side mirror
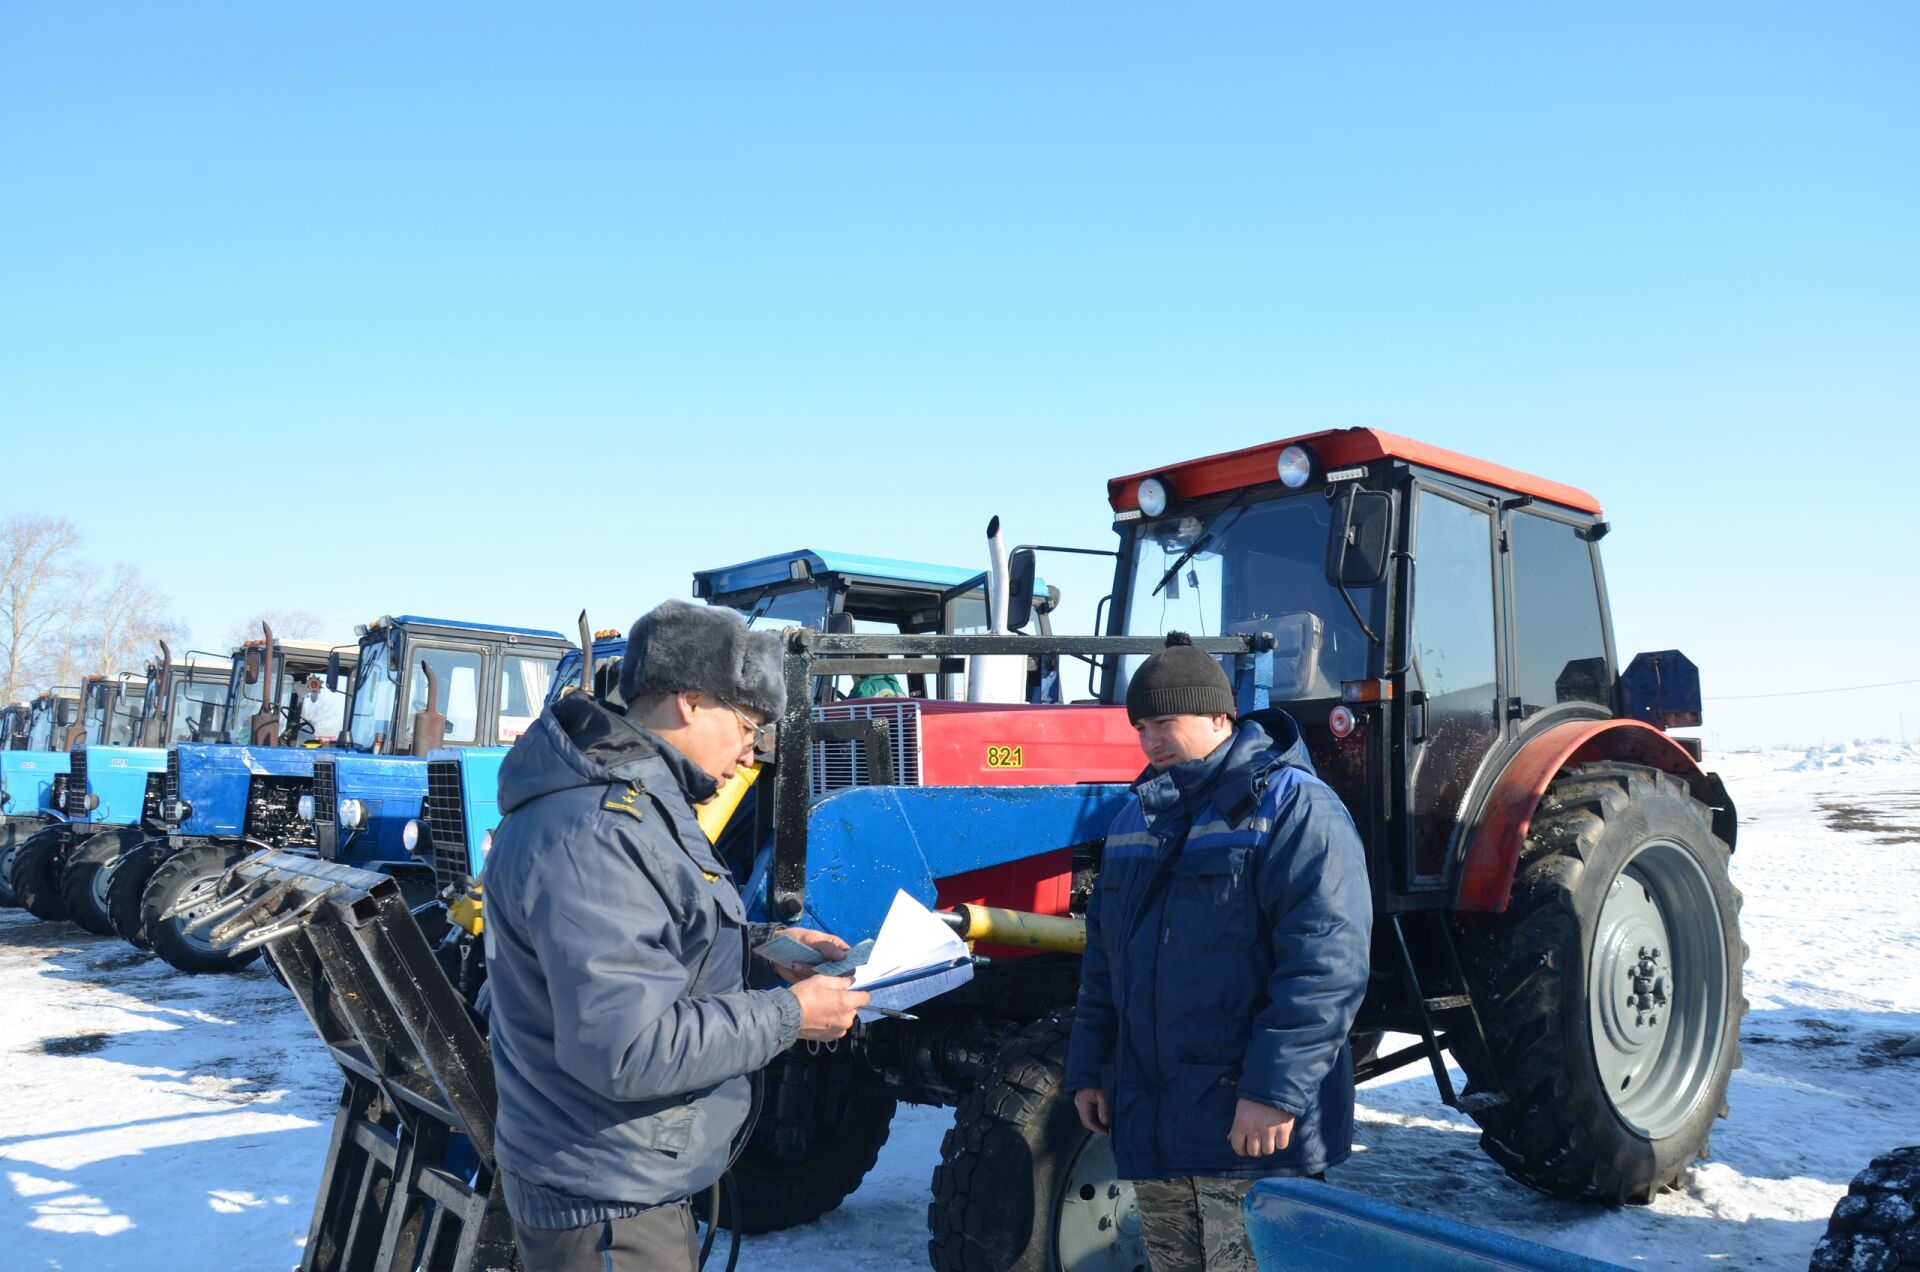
[[1360, 538], [333, 671], [252, 674], [1020, 571]]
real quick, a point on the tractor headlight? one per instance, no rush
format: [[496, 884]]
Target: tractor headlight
[[304, 807], [1296, 465], [410, 835], [93, 801], [352, 813], [1153, 496], [486, 845]]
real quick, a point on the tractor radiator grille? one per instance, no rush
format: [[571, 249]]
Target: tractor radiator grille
[[76, 801], [170, 785], [447, 822], [324, 789], [837, 765], [150, 804]]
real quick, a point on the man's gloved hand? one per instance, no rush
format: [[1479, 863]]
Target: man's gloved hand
[[1259, 1130], [827, 1006]]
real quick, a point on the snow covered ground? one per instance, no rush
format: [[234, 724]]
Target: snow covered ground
[[149, 1119]]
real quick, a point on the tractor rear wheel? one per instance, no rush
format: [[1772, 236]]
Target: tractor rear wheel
[[90, 867], [125, 888], [1610, 989], [36, 874], [1877, 1224], [796, 1168], [1021, 1185], [188, 883]]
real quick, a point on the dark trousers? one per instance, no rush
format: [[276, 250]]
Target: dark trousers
[[662, 1239]]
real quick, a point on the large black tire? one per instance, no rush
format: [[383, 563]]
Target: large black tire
[[190, 874], [1613, 1066], [1876, 1226], [89, 871], [13, 833], [819, 1133], [125, 889], [1021, 1185], [36, 874]]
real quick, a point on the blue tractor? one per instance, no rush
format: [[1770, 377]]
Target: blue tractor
[[420, 684], [33, 777], [110, 709], [112, 798]]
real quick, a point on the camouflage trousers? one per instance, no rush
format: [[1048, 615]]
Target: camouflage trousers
[[1194, 1224]]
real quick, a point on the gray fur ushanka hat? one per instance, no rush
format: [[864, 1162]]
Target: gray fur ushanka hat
[[680, 648]]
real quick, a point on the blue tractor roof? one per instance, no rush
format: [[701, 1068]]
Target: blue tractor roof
[[415, 620], [788, 567]]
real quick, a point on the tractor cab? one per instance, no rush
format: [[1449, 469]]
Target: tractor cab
[[186, 700], [110, 711], [844, 592], [425, 683], [13, 726], [290, 693], [33, 775]]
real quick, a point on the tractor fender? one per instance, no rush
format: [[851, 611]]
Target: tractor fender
[[1506, 813]]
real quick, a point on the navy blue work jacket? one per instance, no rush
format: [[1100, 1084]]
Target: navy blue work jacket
[[1227, 952]]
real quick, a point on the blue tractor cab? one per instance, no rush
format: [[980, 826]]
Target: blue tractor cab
[[113, 791]]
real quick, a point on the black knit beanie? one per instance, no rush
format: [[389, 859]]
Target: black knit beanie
[[1179, 680]]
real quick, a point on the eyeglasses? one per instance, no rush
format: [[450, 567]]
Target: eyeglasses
[[759, 731]]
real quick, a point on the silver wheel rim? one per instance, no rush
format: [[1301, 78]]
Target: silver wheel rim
[[196, 900], [102, 878], [1098, 1229], [1657, 988]]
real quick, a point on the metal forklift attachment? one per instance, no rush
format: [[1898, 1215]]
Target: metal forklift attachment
[[410, 1181]]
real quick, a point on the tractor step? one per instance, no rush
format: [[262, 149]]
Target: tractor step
[[1449, 1002], [410, 1179]]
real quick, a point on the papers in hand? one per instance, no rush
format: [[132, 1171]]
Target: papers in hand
[[915, 957]]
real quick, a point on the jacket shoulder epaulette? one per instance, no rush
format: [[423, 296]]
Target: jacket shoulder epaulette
[[626, 797]]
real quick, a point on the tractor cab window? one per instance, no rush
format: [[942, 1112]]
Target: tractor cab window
[[457, 673], [322, 711], [1258, 568], [374, 688], [199, 709], [1560, 642], [96, 713], [40, 727], [524, 682], [126, 718], [252, 681], [799, 607]]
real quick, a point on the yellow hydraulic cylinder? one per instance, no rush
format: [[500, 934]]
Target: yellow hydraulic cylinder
[[714, 815], [990, 925], [465, 912]]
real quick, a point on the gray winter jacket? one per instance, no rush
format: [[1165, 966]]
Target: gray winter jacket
[[616, 951]]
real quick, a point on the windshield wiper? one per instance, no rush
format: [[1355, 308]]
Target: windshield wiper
[[1204, 538]]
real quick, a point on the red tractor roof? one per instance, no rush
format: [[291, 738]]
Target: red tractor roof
[[1335, 448]]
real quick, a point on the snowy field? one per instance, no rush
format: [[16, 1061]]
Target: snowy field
[[150, 1119]]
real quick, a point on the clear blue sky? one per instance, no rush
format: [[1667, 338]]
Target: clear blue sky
[[502, 310]]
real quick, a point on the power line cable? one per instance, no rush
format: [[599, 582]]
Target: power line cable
[[1806, 693]]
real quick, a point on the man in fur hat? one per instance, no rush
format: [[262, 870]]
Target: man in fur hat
[[617, 951]]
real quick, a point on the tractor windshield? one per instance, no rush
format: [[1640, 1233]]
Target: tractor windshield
[[126, 716], [374, 689], [199, 708], [96, 714], [322, 710], [251, 681], [800, 607], [1261, 568], [40, 725]]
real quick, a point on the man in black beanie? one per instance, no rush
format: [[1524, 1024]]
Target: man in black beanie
[[617, 951], [1227, 950]]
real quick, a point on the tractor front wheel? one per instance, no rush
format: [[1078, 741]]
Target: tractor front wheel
[[1021, 1185], [181, 892], [13, 835], [1609, 989], [90, 868], [36, 874], [125, 888], [1877, 1224], [819, 1133]]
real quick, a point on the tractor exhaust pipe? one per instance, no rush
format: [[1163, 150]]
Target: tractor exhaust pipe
[[586, 656], [996, 677], [264, 728], [155, 733]]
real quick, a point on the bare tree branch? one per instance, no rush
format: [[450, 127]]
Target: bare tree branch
[[36, 557]]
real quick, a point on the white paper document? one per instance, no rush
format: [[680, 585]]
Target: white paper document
[[915, 957]]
